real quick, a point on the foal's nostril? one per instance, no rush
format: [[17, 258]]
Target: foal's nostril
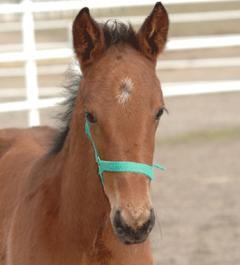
[[118, 222], [147, 226], [119, 230], [130, 235]]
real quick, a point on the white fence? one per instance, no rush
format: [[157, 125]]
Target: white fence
[[30, 54]]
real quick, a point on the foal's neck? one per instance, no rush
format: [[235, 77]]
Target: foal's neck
[[83, 202]]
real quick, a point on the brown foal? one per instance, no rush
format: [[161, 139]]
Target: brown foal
[[53, 208]]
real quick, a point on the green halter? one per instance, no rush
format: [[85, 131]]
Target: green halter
[[119, 166]]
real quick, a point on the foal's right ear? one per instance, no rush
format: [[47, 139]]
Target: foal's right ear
[[88, 38]]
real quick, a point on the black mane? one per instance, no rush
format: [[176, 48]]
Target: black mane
[[114, 33], [71, 86]]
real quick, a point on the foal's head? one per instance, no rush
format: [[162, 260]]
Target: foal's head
[[123, 102]]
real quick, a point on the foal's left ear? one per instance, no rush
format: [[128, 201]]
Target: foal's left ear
[[152, 36], [88, 38]]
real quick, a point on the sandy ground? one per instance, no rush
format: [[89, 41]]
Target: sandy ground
[[197, 203], [197, 197]]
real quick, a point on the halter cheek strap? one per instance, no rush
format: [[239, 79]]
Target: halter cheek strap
[[119, 166]]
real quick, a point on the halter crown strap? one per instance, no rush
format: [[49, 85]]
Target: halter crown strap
[[119, 166]]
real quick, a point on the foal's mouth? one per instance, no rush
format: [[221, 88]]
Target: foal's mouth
[[129, 235]]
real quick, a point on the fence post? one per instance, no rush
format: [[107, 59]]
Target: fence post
[[29, 48]]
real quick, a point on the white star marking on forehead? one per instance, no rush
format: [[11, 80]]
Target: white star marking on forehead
[[126, 88]]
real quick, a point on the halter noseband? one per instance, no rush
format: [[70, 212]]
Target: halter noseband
[[119, 166]]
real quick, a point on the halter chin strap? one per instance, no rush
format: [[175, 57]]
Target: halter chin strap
[[119, 166]]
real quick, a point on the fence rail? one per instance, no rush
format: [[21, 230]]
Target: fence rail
[[31, 53], [52, 6], [175, 18]]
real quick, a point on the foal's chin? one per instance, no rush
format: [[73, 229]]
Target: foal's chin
[[129, 235]]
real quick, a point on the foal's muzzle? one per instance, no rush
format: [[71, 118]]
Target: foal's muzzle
[[129, 235]]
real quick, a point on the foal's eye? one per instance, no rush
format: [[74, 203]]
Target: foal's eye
[[90, 117], [160, 113]]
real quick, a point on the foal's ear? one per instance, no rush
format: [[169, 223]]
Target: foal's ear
[[88, 39], [152, 36]]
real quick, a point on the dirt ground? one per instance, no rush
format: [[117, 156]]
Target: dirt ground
[[197, 199]]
